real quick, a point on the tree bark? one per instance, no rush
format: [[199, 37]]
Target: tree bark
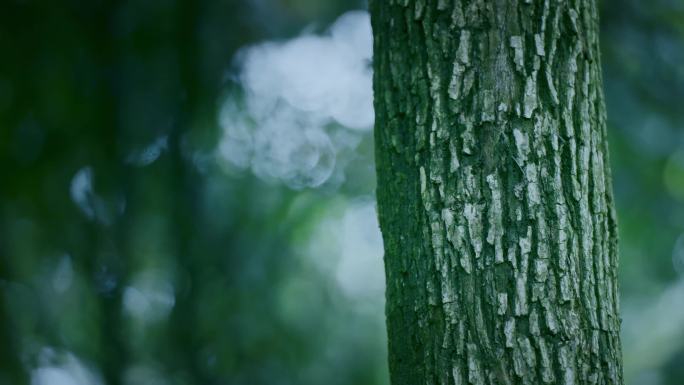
[[494, 193]]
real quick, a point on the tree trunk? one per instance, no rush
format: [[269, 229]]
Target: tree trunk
[[494, 193]]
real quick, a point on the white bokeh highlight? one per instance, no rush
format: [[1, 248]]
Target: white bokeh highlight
[[652, 331], [360, 267], [348, 247], [295, 94], [81, 191], [150, 297], [93, 206], [63, 368], [63, 275], [148, 154]]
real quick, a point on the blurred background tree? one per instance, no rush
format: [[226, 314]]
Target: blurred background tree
[[148, 238]]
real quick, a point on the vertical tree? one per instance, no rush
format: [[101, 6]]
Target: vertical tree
[[494, 193]]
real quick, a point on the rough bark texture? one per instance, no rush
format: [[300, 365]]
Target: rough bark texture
[[494, 193]]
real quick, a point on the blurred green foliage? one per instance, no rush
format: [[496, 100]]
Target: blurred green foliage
[[130, 255]]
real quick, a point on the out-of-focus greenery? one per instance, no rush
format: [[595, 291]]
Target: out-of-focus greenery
[[131, 254], [643, 62]]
